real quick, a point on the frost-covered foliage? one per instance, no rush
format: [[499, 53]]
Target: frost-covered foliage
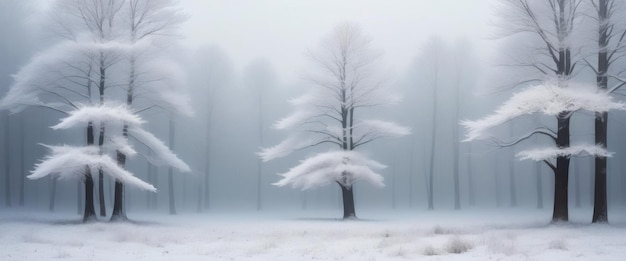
[[547, 99], [103, 114], [67, 161], [346, 80], [60, 77], [552, 100], [117, 115], [162, 155], [70, 162], [553, 152], [344, 167]]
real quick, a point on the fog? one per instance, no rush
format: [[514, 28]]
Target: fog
[[242, 63]]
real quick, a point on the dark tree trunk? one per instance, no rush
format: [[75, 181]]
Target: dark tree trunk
[[600, 208], [348, 202], [89, 213], [119, 213], [103, 211], [561, 172]]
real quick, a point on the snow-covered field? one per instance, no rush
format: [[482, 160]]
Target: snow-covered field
[[510, 235]]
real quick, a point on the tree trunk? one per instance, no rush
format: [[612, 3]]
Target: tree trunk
[[348, 202], [470, 177], [119, 213], [207, 188], [393, 186], [199, 206], [577, 190], [539, 171], [79, 199], [497, 180], [561, 173], [103, 211], [89, 213], [600, 208], [170, 170], [259, 205], [512, 189], [431, 166], [53, 193], [411, 173], [22, 161], [7, 165]]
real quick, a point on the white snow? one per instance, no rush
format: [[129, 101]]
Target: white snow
[[70, 162], [162, 154], [523, 234], [553, 152], [547, 98], [345, 167], [99, 114]]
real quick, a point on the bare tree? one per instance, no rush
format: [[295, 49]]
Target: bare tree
[[611, 45], [146, 20], [345, 85], [550, 24]]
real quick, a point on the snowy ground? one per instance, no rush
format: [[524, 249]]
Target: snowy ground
[[511, 235]]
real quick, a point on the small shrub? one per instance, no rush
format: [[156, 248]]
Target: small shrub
[[430, 251], [456, 245]]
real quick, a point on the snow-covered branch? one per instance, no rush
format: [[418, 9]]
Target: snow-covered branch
[[548, 99], [345, 167], [70, 162], [554, 152], [162, 155]]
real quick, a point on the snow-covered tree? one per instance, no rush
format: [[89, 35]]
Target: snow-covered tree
[[70, 161], [549, 99], [543, 51], [75, 72], [345, 82], [609, 48], [150, 76]]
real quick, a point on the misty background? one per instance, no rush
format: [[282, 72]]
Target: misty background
[[244, 60]]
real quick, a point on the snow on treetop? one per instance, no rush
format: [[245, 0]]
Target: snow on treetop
[[103, 113], [67, 161], [547, 98], [345, 167], [553, 152]]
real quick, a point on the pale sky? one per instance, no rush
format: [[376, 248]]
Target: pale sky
[[282, 30]]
